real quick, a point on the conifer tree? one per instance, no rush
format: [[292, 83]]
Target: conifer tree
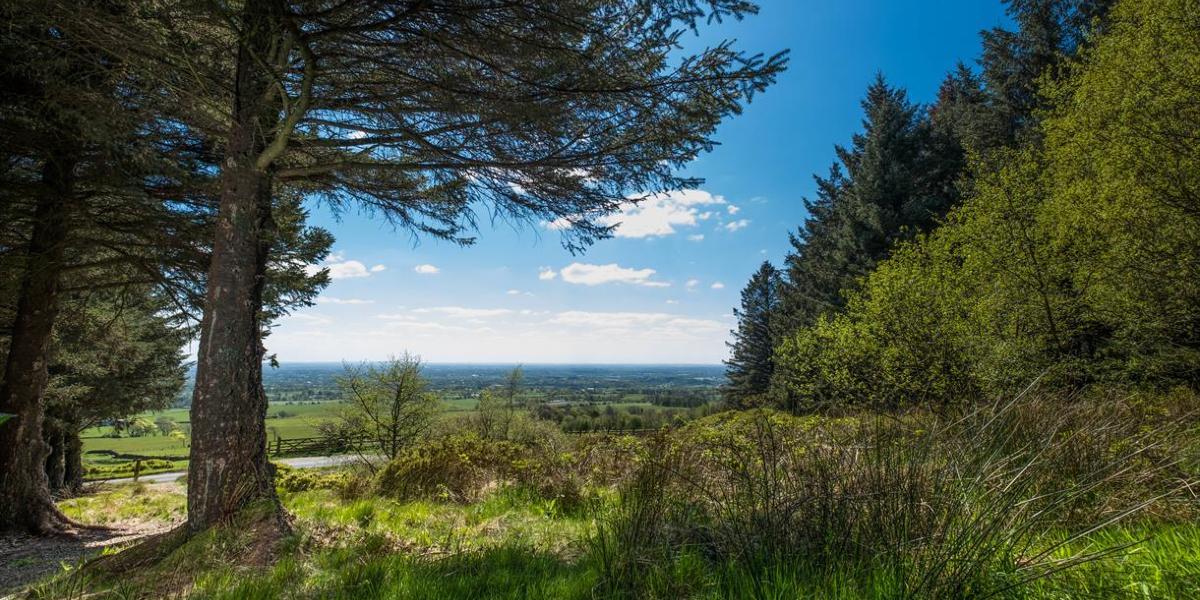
[[891, 189], [422, 113], [99, 193], [750, 365]]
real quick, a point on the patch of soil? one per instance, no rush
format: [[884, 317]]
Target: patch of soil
[[26, 558]]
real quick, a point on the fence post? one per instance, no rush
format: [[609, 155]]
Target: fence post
[[137, 468]]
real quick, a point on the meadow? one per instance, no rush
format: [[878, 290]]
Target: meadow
[[1036, 499], [300, 419]]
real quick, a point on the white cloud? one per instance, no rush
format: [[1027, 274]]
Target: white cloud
[[464, 313], [514, 292], [717, 285], [660, 214], [427, 269], [692, 283], [340, 268], [437, 332], [559, 224], [332, 300], [640, 321], [588, 274], [696, 237], [672, 302], [732, 209], [546, 273], [736, 225]]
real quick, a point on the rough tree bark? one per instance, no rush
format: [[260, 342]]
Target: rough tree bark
[[73, 462], [228, 467], [56, 466], [25, 501]]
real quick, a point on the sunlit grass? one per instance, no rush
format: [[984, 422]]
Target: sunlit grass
[[513, 544], [138, 502], [506, 517]]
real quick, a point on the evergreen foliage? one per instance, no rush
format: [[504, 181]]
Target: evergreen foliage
[[1074, 258], [751, 365]]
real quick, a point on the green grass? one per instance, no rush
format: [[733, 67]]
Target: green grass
[[509, 517], [512, 544], [126, 502], [298, 421]]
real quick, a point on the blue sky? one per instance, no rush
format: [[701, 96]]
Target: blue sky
[[663, 289]]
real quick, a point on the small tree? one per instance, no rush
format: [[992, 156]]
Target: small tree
[[389, 409], [490, 418], [497, 409], [750, 366]]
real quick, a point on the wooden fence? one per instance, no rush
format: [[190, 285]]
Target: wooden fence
[[317, 446]]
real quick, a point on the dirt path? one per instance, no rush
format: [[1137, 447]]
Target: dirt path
[[26, 558]]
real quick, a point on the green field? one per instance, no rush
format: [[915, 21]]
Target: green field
[[285, 420]]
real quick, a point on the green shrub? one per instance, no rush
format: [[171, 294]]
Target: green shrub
[[348, 483], [457, 468]]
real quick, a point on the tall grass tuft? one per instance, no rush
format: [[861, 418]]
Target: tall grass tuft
[[912, 506]]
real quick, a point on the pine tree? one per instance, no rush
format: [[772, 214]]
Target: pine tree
[[100, 193], [421, 113], [1048, 33], [751, 365], [897, 181]]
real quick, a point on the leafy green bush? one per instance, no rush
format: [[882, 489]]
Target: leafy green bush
[[457, 468], [292, 480]]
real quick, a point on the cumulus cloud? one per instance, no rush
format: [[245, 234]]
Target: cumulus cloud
[[340, 268], [736, 225], [559, 224], [732, 209], [692, 283], [546, 273], [589, 274], [696, 237], [717, 285], [427, 269], [660, 214]]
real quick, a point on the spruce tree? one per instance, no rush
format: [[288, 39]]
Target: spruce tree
[[751, 365], [1048, 33], [422, 113], [894, 186], [100, 193]]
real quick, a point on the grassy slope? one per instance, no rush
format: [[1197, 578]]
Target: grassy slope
[[513, 545]]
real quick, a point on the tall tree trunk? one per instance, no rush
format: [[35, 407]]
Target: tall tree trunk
[[229, 467], [56, 466], [25, 501], [73, 461]]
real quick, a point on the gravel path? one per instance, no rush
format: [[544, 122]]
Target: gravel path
[[302, 462]]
